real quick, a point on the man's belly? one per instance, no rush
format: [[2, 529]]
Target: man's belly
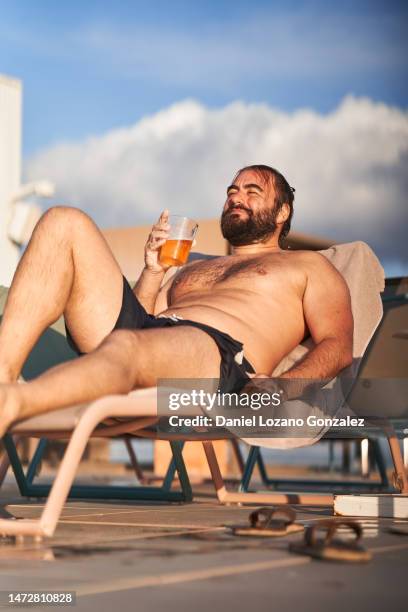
[[266, 337]]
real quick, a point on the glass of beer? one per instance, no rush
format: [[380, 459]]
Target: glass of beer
[[176, 249]]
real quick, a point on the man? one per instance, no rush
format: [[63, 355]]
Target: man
[[217, 318]]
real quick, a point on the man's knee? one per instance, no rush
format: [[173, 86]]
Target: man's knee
[[123, 345], [64, 219]]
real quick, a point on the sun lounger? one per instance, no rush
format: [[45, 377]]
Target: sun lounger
[[82, 421]]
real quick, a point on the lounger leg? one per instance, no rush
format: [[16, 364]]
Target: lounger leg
[[238, 455], [216, 475], [262, 470], [400, 478], [36, 460], [171, 470], [5, 461], [16, 466], [226, 497], [45, 526], [379, 459], [177, 449], [400, 475], [170, 474], [252, 459], [133, 460], [4, 466]]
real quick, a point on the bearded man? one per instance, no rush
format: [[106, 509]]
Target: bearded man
[[225, 318]]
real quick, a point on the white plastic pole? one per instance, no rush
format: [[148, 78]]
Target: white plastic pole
[[10, 169]]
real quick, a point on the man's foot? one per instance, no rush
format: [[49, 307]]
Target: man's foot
[[10, 406]]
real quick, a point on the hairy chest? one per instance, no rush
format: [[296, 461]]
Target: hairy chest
[[229, 271]]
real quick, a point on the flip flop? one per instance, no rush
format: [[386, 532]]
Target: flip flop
[[329, 548], [269, 522], [399, 529]]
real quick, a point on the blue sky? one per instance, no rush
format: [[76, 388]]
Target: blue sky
[[89, 66]]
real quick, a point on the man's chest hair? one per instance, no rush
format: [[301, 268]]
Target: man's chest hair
[[207, 273]]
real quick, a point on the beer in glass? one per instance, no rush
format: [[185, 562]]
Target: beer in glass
[[176, 249]]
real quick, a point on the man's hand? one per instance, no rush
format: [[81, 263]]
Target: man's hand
[[263, 383], [155, 241], [287, 387]]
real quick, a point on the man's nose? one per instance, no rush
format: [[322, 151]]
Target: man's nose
[[236, 198]]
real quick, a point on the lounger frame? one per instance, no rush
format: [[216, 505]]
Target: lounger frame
[[120, 406], [105, 408]]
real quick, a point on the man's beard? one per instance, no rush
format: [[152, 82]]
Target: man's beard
[[255, 227]]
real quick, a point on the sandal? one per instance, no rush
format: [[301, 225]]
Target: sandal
[[330, 548], [269, 522]]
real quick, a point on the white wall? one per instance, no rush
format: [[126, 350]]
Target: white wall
[[10, 168]]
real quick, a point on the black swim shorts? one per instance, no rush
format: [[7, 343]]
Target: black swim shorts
[[233, 363]]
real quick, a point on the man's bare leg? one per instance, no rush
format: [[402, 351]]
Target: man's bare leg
[[125, 360], [67, 269]]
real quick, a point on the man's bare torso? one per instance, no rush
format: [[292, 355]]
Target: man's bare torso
[[256, 299]]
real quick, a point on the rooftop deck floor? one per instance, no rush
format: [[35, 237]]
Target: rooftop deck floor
[[151, 556]]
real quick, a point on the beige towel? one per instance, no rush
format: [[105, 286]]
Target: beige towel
[[364, 276]]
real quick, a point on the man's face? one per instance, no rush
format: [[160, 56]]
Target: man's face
[[249, 213]]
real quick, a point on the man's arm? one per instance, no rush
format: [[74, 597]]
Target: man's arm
[[328, 316], [150, 280], [147, 288]]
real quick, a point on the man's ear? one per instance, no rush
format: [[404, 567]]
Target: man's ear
[[283, 214]]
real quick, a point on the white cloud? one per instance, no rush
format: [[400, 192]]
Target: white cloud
[[349, 167]]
